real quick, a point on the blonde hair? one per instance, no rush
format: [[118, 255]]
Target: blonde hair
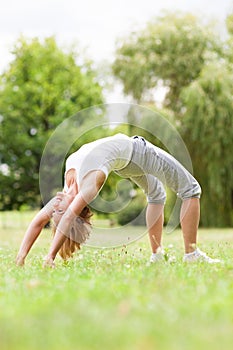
[[70, 246]]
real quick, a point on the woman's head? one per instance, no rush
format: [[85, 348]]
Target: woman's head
[[61, 203], [80, 227]]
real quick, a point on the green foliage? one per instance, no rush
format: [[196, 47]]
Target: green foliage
[[208, 132], [134, 213], [171, 48], [42, 87], [229, 23], [229, 44]]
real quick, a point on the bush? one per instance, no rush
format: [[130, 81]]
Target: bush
[[134, 214]]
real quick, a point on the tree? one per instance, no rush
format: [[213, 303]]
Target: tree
[[171, 49], [207, 129], [209, 103], [229, 23], [42, 87]]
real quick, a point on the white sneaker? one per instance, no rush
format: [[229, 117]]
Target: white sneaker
[[162, 255], [199, 256], [156, 257]]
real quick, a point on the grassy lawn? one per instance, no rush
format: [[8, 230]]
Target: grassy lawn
[[112, 298]]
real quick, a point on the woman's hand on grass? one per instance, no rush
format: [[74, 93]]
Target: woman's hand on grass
[[48, 262], [20, 260]]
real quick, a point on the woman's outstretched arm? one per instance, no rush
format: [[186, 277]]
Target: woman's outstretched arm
[[33, 231], [91, 186]]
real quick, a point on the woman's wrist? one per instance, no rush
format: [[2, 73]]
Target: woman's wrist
[[20, 259], [50, 255]]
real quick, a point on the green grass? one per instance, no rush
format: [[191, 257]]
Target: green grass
[[112, 299]]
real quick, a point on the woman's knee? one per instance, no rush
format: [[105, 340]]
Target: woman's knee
[[193, 191], [157, 197]]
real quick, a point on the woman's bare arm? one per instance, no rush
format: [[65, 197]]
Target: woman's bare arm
[[91, 186], [33, 231]]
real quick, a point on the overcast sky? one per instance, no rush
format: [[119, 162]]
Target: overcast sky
[[93, 24]]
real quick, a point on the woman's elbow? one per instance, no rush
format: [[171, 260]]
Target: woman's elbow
[[100, 179]]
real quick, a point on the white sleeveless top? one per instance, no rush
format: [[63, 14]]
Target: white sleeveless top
[[107, 154]]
